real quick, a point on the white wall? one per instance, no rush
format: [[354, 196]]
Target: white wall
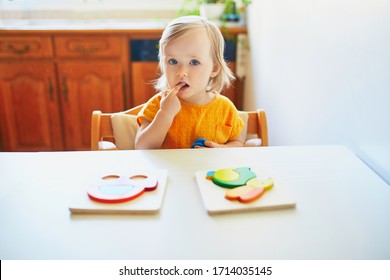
[[321, 69]]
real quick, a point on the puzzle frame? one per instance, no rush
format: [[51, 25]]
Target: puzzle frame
[[149, 202], [214, 200]]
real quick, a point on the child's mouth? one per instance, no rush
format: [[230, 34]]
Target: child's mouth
[[184, 87]]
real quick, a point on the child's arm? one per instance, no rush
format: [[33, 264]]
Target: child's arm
[[152, 134]]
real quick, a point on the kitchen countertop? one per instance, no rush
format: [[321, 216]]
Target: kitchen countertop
[[99, 24], [69, 24]]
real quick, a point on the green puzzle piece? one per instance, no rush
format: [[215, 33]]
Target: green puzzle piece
[[233, 177]]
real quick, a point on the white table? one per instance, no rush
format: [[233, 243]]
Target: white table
[[342, 212]]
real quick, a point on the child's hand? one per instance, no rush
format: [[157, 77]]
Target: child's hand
[[233, 143], [211, 144], [170, 103], [203, 143]]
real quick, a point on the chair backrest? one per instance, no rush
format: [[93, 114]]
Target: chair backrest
[[102, 130]]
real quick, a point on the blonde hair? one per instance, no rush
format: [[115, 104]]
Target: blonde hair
[[180, 26]]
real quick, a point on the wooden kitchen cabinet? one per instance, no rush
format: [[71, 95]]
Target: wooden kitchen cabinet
[[143, 75], [86, 87], [51, 84], [91, 77], [29, 108]]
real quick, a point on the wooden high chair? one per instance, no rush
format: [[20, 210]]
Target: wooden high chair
[[102, 133]]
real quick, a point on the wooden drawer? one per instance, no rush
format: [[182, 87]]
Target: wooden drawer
[[88, 46], [25, 47]]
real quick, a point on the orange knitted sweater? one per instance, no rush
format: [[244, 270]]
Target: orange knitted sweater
[[217, 121]]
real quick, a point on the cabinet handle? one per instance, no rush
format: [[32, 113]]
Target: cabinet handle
[[87, 51], [64, 89], [21, 51], [51, 90]]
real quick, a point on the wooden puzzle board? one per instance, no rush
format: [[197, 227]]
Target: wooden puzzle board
[[215, 202], [148, 203]]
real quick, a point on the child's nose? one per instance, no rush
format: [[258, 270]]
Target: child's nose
[[182, 72]]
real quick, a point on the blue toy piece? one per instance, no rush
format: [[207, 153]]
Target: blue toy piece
[[198, 142]]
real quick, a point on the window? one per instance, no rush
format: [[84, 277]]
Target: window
[[88, 4]]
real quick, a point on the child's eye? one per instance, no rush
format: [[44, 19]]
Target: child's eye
[[194, 62], [172, 61]]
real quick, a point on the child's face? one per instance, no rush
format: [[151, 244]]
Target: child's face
[[188, 59]]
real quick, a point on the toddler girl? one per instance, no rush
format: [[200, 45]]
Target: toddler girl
[[189, 104]]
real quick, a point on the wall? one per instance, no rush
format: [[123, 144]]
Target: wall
[[321, 69]]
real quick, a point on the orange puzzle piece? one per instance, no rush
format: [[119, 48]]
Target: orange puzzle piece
[[245, 194]]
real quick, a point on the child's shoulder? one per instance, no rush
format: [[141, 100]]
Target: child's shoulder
[[220, 98]]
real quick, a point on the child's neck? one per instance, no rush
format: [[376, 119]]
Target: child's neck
[[201, 99]]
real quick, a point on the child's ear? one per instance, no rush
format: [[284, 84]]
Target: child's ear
[[215, 72]]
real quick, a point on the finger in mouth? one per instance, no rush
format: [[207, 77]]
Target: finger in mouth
[[182, 85]]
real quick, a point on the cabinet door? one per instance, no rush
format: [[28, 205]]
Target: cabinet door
[[143, 76], [86, 86], [234, 92], [29, 112]]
